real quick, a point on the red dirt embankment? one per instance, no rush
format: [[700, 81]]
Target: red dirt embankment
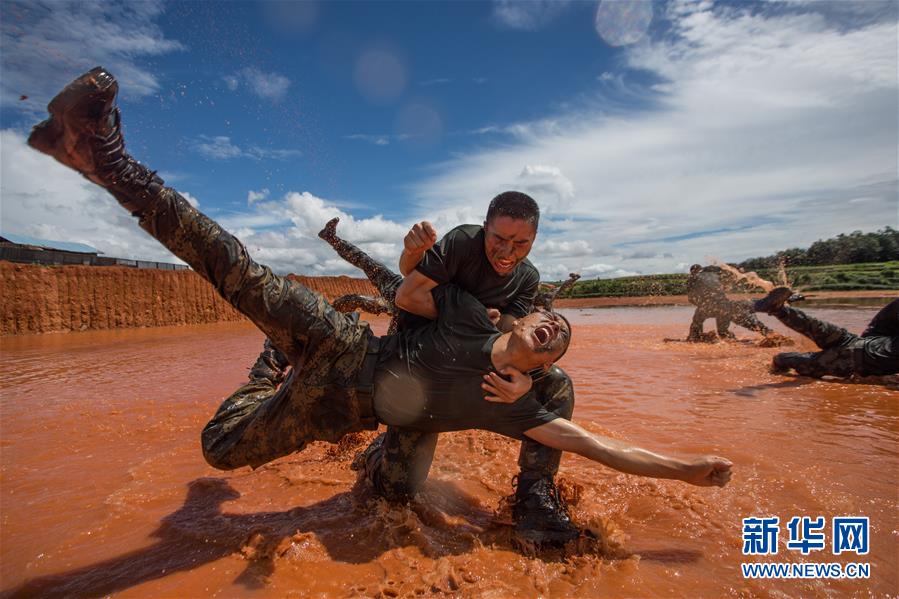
[[49, 299]]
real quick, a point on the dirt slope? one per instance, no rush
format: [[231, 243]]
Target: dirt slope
[[46, 299]]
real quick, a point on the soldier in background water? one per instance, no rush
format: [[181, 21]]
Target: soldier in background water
[[705, 290]]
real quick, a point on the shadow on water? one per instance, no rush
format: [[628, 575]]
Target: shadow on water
[[794, 382], [354, 527]]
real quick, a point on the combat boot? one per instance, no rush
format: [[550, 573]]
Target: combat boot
[[540, 515], [84, 132], [774, 301], [270, 366]]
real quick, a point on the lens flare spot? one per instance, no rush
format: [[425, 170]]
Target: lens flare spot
[[621, 23]]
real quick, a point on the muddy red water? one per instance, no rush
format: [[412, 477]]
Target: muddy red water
[[104, 489]]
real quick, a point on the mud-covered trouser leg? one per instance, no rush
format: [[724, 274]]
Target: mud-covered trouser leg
[[722, 325], [400, 465], [824, 334], [317, 340], [556, 393], [294, 317], [699, 317], [742, 313], [385, 280], [836, 361], [354, 301]]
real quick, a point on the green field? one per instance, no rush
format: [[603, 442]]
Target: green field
[[834, 277]]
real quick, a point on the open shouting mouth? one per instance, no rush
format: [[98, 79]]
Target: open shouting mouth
[[543, 335]]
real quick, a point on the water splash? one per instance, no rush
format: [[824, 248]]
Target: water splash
[[749, 277]]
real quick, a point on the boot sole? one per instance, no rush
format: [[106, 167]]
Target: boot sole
[[51, 136]]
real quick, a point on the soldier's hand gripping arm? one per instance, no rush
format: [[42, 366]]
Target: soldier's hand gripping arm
[[705, 471]]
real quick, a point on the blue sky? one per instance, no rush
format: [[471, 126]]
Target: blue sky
[[652, 134]]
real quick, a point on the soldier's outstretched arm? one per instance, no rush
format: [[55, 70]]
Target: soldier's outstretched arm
[[563, 434]]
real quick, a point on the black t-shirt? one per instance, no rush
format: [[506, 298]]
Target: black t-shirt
[[460, 258], [430, 378]]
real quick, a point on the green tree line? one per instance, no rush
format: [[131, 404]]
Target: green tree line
[[855, 248]]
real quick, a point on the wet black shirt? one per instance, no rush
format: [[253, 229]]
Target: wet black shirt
[[460, 258], [429, 378]]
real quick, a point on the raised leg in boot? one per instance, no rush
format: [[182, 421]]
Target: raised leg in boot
[[84, 133], [824, 334], [385, 280]]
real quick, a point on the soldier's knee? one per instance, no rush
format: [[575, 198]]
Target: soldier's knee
[[213, 451]]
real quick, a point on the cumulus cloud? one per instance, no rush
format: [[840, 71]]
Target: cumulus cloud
[[220, 147], [47, 43], [255, 196], [762, 125], [268, 86], [44, 199]]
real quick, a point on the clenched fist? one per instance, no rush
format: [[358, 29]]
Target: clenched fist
[[420, 238]]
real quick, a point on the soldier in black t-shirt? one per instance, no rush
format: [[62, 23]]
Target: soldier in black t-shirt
[[491, 263]]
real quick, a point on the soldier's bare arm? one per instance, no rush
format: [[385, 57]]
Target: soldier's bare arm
[[563, 434], [414, 295]]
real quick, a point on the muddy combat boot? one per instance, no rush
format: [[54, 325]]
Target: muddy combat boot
[[84, 133], [540, 515], [270, 367], [774, 301]]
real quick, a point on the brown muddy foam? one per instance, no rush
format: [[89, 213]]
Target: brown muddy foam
[[104, 490]]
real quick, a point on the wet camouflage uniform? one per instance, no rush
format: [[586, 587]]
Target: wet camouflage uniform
[[706, 292], [397, 463], [875, 352], [385, 280], [322, 397], [330, 352]]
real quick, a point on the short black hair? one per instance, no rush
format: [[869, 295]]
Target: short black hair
[[514, 204]]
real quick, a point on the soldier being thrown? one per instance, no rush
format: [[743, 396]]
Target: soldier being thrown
[[343, 378], [873, 353]]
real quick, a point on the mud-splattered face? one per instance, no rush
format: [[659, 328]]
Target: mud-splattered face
[[544, 334], [507, 241]]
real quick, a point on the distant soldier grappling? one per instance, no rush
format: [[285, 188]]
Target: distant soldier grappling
[[705, 290]]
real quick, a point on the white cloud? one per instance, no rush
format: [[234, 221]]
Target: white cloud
[[378, 140], [47, 44], [527, 16], [281, 233], [42, 198], [761, 129], [268, 86], [255, 196], [220, 147]]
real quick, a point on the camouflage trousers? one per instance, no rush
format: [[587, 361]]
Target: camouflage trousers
[[325, 396], [724, 311], [843, 353], [400, 463]]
